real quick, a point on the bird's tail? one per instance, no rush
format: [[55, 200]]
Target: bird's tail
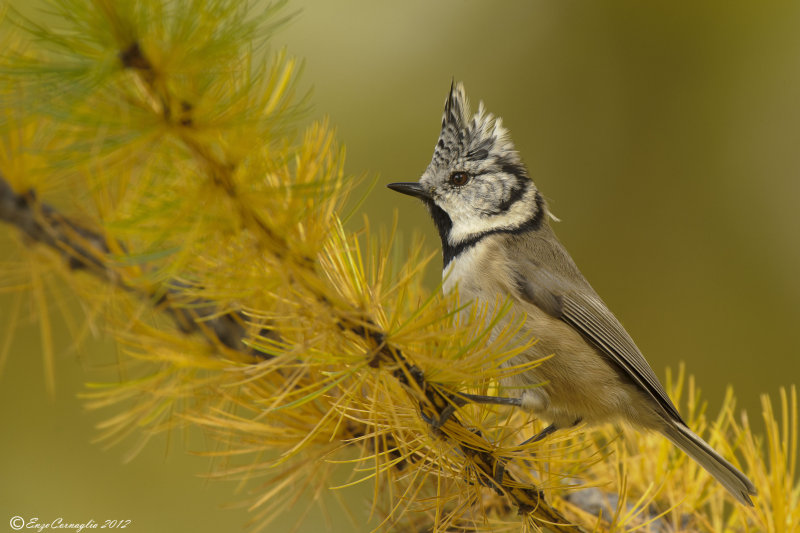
[[737, 483]]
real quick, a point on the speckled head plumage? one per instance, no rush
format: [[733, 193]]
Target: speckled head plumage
[[468, 138], [476, 183]]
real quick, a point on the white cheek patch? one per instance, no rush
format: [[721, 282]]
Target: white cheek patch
[[466, 225]]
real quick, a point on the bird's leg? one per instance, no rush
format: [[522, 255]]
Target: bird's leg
[[547, 431], [461, 399], [542, 434], [494, 400]]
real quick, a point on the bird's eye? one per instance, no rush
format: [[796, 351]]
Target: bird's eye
[[459, 178]]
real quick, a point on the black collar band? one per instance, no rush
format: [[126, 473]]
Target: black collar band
[[444, 225]]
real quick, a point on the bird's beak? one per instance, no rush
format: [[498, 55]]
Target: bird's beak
[[411, 189]]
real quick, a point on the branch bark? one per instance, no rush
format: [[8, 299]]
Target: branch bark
[[88, 250]]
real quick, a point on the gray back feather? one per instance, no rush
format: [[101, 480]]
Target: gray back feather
[[555, 285]]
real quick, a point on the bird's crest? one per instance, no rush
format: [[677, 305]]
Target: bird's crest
[[473, 137]]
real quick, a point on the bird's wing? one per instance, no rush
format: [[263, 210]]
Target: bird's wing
[[565, 294]]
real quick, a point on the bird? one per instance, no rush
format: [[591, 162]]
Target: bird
[[497, 243]]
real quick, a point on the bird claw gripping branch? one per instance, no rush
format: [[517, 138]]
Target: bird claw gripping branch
[[437, 406]]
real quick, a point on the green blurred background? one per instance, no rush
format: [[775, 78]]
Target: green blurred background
[[664, 134]]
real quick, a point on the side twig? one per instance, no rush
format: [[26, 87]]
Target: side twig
[[88, 250]]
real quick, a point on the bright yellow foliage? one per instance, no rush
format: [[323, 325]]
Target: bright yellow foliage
[[168, 168]]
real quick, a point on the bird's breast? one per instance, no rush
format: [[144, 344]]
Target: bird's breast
[[472, 271]]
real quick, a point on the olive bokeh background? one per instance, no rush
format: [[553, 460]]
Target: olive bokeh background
[[665, 135]]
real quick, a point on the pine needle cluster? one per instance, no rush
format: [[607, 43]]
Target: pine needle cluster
[[152, 163]]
